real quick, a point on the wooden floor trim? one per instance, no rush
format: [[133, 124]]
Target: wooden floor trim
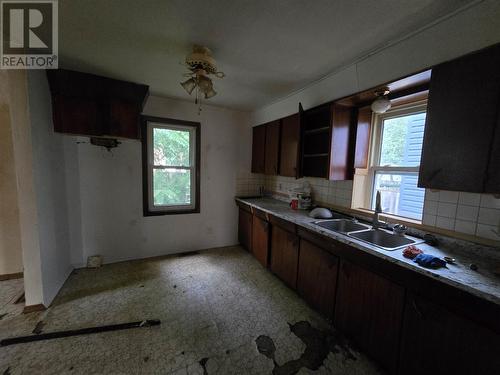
[[33, 308], [10, 276]]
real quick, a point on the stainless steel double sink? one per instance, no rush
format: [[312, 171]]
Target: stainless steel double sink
[[377, 237]]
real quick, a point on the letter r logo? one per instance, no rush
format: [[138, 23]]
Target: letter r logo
[[27, 27]]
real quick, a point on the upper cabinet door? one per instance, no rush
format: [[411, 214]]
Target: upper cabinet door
[[460, 127], [363, 138], [272, 147], [258, 149], [342, 142], [290, 139]]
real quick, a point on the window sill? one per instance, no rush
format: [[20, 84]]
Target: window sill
[[171, 212]]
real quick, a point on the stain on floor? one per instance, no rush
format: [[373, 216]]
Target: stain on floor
[[224, 303], [318, 344]]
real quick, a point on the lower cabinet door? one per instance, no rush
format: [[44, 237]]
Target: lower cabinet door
[[317, 277], [285, 255], [245, 229], [260, 240], [369, 309], [437, 341]]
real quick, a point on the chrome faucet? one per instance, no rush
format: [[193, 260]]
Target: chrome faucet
[[378, 210]]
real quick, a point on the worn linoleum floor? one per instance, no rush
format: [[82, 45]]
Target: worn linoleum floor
[[10, 291], [213, 305]]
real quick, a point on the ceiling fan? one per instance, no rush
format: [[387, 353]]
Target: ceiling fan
[[201, 66]]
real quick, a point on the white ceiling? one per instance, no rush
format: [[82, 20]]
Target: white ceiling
[[267, 48]]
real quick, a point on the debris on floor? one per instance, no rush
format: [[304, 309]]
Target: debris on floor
[[38, 336]]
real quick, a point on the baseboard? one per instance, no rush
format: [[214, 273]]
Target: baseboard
[[10, 276], [33, 308]]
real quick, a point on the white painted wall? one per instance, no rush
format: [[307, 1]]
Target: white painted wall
[[11, 257], [16, 89], [472, 29], [110, 185], [53, 208]]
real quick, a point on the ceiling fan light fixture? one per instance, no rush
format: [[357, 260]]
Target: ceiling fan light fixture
[[201, 66], [382, 104], [210, 93], [189, 85]]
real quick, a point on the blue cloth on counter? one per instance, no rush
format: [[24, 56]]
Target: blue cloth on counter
[[429, 261]]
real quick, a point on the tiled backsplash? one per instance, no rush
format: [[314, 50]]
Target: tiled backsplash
[[470, 213], [248, 184], [336, 193]]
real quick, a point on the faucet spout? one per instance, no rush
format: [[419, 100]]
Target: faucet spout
[[378, 210]]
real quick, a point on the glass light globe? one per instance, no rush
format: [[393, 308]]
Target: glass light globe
[[381, 104]]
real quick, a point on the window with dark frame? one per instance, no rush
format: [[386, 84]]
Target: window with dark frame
[[170, 166]]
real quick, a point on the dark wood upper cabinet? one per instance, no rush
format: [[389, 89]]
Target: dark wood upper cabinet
[[87, 104], [317, 277], [290, 143], [363, 130], [342, 144], [260, 240], [437, 341], [369, 309], [258, 149], [284, 255], [461, 141], [272, 147], [245, 229], [327, 143]]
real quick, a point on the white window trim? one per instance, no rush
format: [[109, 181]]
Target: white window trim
[[192, 167], [375, 146]]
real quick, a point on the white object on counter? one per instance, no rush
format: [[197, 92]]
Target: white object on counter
[[320, 213]]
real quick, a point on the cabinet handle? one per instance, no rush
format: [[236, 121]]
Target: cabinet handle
[[265, 225]]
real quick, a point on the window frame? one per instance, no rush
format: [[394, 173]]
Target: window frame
[[376, 148], [147, 126]]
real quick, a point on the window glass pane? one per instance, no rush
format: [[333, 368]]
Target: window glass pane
[[402, 139], [399, 194], [171, 187], [171, 147]]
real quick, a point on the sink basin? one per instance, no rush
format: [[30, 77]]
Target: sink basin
[[341, 225], [385, 240]]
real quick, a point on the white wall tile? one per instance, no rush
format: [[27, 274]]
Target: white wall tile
[[488, 200], [468, 227], [429, 219], [430, 207], [488, 231], [468, 213], [448, 196], [469, 199], [445, 223], [447, 209], [489, 216], [432, 195]]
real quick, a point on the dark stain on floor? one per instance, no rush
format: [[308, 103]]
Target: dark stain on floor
[[7, 371], [203, 364], [38, 328], [2, 315], [318, 345]]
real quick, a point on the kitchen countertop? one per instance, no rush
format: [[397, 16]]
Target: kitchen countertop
[[482, 283]]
